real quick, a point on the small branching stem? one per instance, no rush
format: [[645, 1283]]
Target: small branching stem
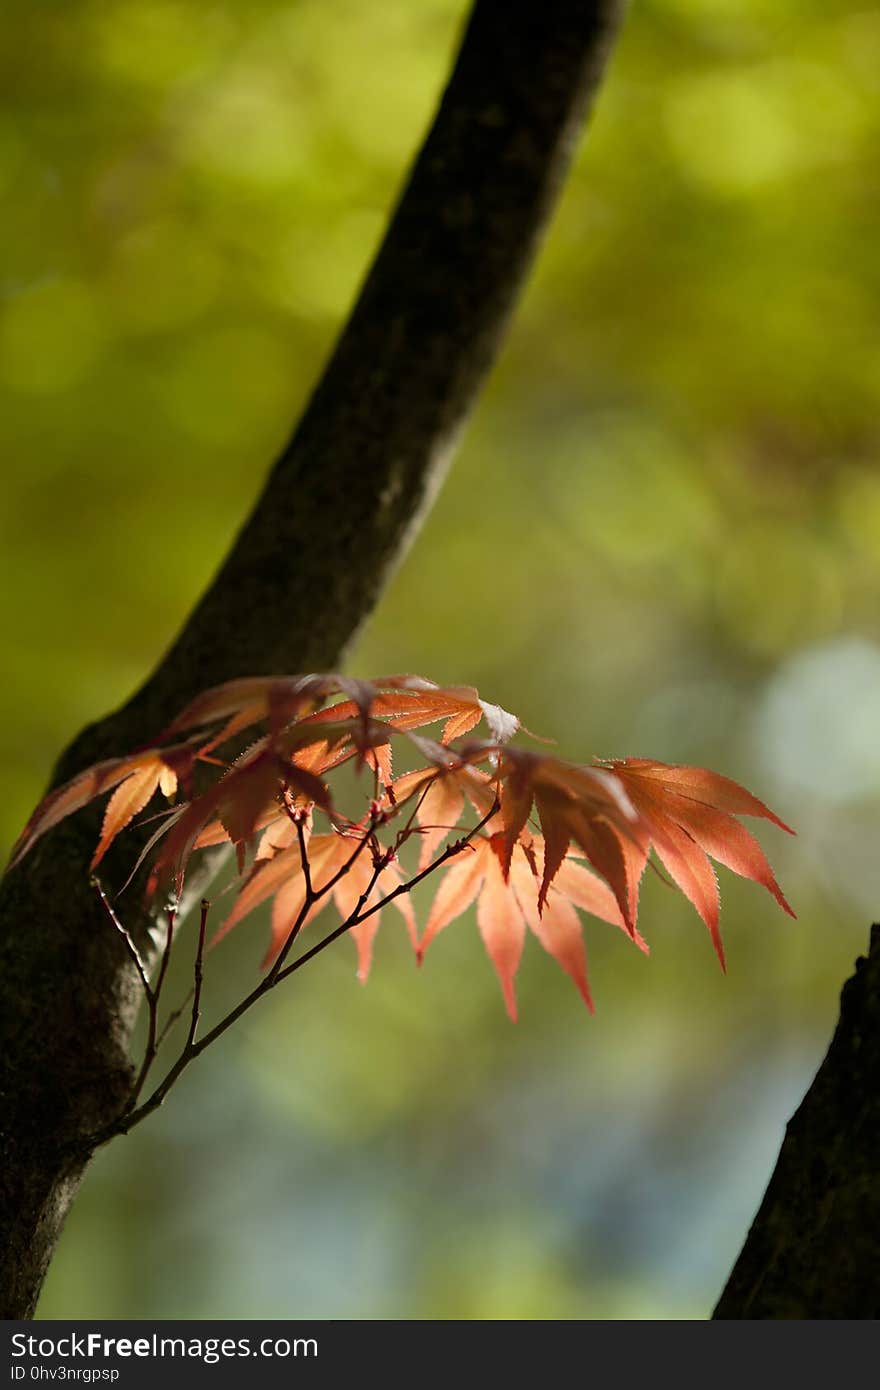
[[198, 975], [359, 915], [152, 993], [193, 1047], [174, 1017], [303, 854], [129, 944], [408, 828], [153, 996]]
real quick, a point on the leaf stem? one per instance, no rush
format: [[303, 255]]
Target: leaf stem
[[198, 974], [192, 1048], [130, 946], [152, 1046]]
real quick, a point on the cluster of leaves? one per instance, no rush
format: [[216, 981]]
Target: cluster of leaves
[[549, 837]]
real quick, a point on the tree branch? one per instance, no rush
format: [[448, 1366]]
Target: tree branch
[[812, 1249], [339, 508]]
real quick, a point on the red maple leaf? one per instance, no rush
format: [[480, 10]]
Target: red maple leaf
[[613, 813], [306, 737], [410, 702], [689, 814], [135, 778], [584, 807], [507, 905], [278, 873], [441, 792]]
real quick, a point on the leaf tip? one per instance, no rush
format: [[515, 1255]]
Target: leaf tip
[[782, 899]]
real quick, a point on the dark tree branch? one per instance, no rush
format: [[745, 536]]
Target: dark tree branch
[[812, 1249], [337, 512]]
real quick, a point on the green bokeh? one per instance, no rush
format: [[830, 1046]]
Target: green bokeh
[[662, 537]]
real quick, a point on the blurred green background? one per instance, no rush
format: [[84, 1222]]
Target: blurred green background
[[662, 538]]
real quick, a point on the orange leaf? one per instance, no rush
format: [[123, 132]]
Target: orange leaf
[[692, 871], [347, 894], [590, 893], [265, 879], [689, 814], [72, 796], [503, 929], [439, 814], [701, 785], [559, 931], [129, 798], [459, 886], [505, 908], [280, 833], [281, 877], [150, 769], [586, 805]]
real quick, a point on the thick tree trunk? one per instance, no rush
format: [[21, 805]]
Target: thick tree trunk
[[812, 1251], [336, 514]]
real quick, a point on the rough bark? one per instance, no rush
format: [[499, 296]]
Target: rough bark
[[812, 1251], [337, 511]]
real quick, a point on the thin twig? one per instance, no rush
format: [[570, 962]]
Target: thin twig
[[359, 916], [166, 953], [293, 933], [313, 895], [193, 1048], [198, 975], [303, 853], [130, 946], [405, 832], [152, 1046], [367, 838], [173, 1017]]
